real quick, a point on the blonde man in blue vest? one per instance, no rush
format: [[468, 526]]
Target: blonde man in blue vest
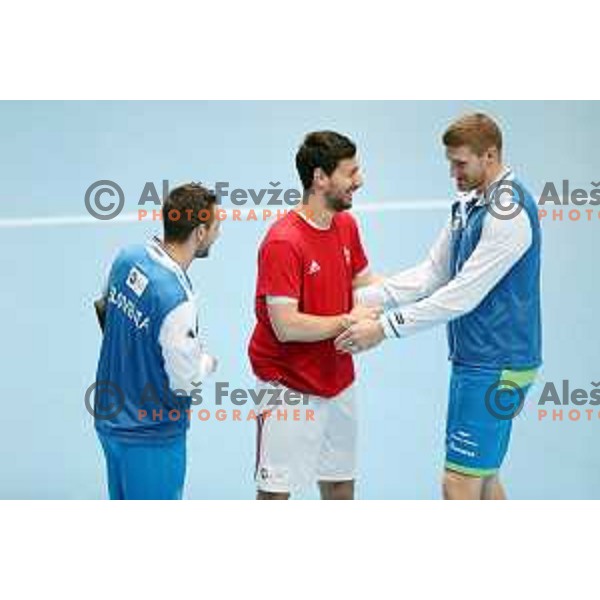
[[482, 279]]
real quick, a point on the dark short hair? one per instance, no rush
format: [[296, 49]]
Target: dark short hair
[[324, 150], [477, 131], [186, 207]]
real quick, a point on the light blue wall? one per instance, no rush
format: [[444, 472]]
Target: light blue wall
[[51, 152]]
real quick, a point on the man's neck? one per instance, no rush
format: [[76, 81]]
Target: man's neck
[[493, 176], [179, 253], [314, 209]]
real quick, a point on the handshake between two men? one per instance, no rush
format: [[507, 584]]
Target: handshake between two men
[[364, 330]]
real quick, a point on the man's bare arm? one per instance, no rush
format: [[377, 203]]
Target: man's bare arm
[[367, 278], [290, 325]]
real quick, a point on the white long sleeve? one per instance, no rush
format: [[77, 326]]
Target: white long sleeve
[[186, 361], [414, 283], [502, 244]]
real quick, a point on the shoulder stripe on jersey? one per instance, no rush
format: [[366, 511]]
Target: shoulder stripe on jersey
[[157, 253]]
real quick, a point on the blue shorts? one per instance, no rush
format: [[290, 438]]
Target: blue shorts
[[145, 470], [481, 408]]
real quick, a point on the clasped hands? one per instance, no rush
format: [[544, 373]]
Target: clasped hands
[[363, 330]]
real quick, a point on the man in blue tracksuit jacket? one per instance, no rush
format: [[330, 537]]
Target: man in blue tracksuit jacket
[[152, 358], [482, 279]]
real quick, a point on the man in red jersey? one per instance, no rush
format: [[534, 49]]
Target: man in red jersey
[[308, 266]]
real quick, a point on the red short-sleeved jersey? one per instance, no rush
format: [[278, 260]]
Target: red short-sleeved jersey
[[315, 266]]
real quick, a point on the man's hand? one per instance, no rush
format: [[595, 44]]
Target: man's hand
[[360, 313], [361, 336]]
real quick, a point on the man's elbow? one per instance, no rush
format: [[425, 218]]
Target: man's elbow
[[282, 331], [467, 308], [282, 334]]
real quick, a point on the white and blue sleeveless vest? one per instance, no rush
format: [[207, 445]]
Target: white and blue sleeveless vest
[[504, 331], [142, 291]]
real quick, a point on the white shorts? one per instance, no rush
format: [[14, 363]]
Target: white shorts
[[316, 441]]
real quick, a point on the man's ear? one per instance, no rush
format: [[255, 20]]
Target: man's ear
[[318, 176], [200, 232], [203, 231], [492, 154]]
